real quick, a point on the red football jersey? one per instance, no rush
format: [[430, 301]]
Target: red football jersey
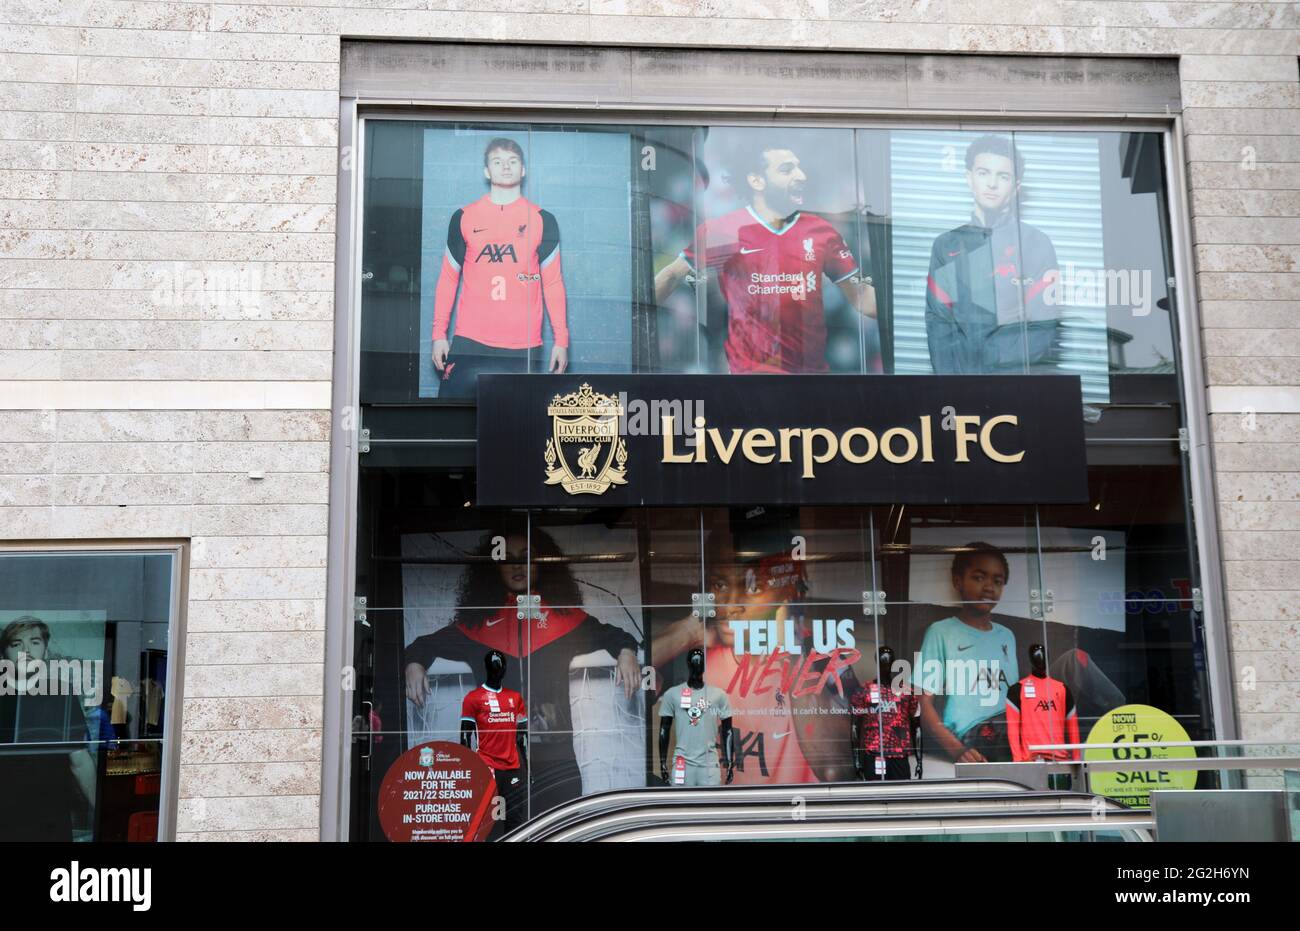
[[495, 712], [771, 281]]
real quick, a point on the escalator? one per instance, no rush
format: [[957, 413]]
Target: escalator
[[948, 810]]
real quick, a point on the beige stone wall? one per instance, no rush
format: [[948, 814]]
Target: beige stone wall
[[146, 146]]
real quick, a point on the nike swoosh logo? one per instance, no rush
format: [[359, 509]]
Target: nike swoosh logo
[[749, 251], [497, 621], [950, 254], [966, 647], [780, 735], [481, 229]]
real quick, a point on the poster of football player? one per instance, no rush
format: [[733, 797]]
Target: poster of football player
[[784, 637], [771, 259], [976, 604], [574, 652], [526, 254], [984, 226]]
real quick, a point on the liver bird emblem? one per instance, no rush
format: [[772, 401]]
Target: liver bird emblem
[[587, 461]]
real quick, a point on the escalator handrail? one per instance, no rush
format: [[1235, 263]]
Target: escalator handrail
[[589, 806], [1067, 806], [1134, 824]]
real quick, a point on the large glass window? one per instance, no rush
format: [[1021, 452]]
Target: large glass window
[[843, 643], [83, 693], [777, 249], [580, 649]]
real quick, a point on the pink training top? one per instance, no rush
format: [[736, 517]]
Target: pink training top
[[506, 260]]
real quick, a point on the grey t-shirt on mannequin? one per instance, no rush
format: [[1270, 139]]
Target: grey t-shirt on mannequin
[[696, 725]]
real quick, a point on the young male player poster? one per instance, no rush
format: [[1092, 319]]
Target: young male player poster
[[968, 662], [985, 303], [501, 268]]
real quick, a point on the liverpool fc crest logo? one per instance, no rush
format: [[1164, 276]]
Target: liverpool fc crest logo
[[584, 433]]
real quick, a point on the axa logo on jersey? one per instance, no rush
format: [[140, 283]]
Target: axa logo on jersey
[[497, 252]]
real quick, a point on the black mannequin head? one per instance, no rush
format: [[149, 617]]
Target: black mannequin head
[[1038, 660], [886, 665], [494, 668], [695, 669]]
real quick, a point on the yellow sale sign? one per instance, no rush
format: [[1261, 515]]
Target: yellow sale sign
[[1136, 728]]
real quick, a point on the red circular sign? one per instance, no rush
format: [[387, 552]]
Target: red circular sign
[[438, 791]]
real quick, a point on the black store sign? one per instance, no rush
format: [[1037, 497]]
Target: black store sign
[[627, 440]]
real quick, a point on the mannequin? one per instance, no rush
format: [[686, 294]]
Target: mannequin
[[886, 726], [702, 715], [498, 716], [1040, 710]]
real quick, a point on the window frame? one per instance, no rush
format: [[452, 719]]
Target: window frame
[[348, 442], [178, 600]]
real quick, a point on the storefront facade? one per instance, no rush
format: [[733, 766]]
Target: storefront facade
[[1016, 371], [475, 510]]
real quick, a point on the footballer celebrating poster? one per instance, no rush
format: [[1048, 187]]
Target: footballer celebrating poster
[[769, 258]]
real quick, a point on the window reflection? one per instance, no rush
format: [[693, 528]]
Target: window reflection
[[83, 703], [849, 644], [743, 249], [762, 249]]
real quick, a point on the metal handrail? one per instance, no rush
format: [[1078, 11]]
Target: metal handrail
[[1034, 772], [1140, 827], [1059, 811], [1166, 743], [864, 803], [590, 806], [1196, 763], [1147, 764]]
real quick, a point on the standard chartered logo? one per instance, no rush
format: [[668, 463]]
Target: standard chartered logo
[[781, 282]]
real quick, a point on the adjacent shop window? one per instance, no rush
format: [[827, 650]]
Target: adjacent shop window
[[777, 249], [83, 693]]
